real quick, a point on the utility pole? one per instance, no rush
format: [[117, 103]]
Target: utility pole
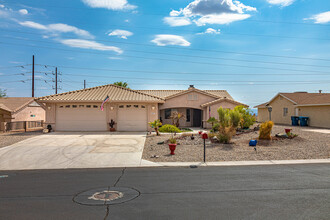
[[84, 84], [33, 76], [56, 80]]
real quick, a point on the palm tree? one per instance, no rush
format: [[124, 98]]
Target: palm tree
[[3, 93], [155, 125], [122, 84]]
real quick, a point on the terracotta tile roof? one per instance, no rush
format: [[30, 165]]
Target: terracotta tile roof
[[222, 100], [167, 93], [98, 94], [13, 104], [301, 98], [263, 105]]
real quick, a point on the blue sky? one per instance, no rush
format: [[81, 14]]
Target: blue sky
[[253, 48]]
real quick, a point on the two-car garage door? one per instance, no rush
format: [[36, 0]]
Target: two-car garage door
[[80, 118], [84, 117]]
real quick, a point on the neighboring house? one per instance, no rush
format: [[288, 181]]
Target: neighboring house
[[316, 106], [16, 109], [131, 109]]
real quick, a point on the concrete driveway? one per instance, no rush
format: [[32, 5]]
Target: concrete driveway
[[74, 150]]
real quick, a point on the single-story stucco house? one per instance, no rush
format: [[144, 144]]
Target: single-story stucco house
[[316, 106], [15, 109], [132, 109]]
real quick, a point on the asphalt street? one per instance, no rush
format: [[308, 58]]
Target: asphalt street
[[239, 192]]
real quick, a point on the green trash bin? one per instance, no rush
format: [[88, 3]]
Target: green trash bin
[[303, 121]]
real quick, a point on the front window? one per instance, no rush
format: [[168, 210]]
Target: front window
[[167, 113], [188, 115], [285, 111]]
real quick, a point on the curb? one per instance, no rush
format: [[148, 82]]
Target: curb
[[239, 163]]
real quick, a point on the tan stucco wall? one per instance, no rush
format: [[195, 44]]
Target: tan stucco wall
[[263, 114], [319, 116], [152, 114], [214, 111], [277, 112], [25, 114], [183, 102]]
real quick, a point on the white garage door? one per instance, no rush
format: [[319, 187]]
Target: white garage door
[[132, 118], [80, 118]]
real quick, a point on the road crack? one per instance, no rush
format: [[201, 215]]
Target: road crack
[[122, 174]]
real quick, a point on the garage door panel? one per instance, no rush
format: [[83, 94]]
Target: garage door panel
[[132, 119], [80, 119]]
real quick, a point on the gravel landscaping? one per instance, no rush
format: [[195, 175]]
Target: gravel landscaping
[[10, 138], [308, 145]]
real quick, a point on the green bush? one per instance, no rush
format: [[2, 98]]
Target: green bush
[[247, 119], [169, 129], [215, 127]]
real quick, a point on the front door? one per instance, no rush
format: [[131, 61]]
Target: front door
[[197, 118]]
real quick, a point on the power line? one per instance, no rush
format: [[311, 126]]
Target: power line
[[188, 80], [192, 56], [181, 73], [196, 49], [163, 59], [22, 66]]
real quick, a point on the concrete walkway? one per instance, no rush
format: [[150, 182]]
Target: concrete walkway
[[75, 150]]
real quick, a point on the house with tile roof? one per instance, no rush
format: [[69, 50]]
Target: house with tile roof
[[316, 106], [132, 109], [14, 109]]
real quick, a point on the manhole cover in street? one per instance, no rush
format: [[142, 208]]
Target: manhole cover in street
[[106, 196]]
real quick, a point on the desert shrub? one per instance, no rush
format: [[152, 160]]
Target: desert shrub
[[212, 121], [228, 122], [215, 127], [211, 135], [169, 129], [247, 118], [265, 130], [225, 134]]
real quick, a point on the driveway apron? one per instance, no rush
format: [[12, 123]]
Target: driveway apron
[[74, 150]]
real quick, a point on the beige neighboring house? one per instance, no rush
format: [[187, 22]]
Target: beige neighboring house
[[131, 109], [14, 109], [316, 106]]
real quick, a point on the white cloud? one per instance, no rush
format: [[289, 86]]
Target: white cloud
[[282, 3], [110, 4], [168, 39], [23, 11], [211, 31], [321, 18], [121, 33], [220, 19], [115, 58], [32, 24], [87, 44], [213, 12], [2, 6], [177, 21], [57, 28]]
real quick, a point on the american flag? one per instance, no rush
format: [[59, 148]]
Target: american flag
[[105, 100]]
